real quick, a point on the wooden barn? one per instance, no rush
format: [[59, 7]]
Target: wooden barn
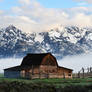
[[38, 66]]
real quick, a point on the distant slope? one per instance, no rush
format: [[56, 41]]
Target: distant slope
[[61, 41]]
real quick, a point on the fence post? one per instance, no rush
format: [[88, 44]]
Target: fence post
[[79, 74], [83, 72], [39, 72], [30, 75], [90, 69], [32, 71], [63, 74], [48, 72]]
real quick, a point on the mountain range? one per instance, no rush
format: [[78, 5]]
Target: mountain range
[[61, 41]]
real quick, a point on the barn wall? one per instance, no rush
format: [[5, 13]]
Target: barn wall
[[40, 72], [65, 72], [11, 74], [49, 60], [48, 69], [41, 69], [46, 72]]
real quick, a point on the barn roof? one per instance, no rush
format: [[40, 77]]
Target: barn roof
[[34, 59], [16, 68], [65, 68], [19, 68], [30, 60]]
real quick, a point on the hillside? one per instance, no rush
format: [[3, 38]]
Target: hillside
[[62, 41]]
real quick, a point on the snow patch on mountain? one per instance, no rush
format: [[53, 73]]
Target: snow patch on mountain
[[54, 34], [39, 37], [61, 41]]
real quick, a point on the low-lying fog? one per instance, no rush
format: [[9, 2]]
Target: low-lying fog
[[77, 62], [73, 62], [9, 62]]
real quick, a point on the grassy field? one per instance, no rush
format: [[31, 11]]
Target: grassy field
[[55, 82], [1, 75], [45, 85]]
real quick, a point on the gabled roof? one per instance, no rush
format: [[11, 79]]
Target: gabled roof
[[33, 59], [65, 68], [16, 68], [19, 68]]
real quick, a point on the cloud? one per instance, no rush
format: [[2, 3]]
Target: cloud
[[31, 16], [1, 12], [82, 3], [82, 20], [87, 1], [77, 62], [24, 2], [1, 0]]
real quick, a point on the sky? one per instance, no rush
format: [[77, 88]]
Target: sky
[[43, 15]]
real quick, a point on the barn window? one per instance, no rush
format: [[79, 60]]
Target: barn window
[[69, 74]]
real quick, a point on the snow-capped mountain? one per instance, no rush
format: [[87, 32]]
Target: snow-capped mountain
[[61, 41]]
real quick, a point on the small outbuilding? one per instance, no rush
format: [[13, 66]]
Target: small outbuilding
[[42, 65]]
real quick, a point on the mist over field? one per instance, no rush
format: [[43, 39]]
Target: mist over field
[[9, 62], [77, 62], [72, 62]]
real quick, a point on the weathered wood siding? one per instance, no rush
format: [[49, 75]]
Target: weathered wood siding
[[45, 71], [49, 60], [65, 72]]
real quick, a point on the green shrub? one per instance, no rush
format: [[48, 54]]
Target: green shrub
[[41, 86]]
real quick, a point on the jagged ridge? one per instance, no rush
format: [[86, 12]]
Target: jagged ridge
[[61, 41]]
